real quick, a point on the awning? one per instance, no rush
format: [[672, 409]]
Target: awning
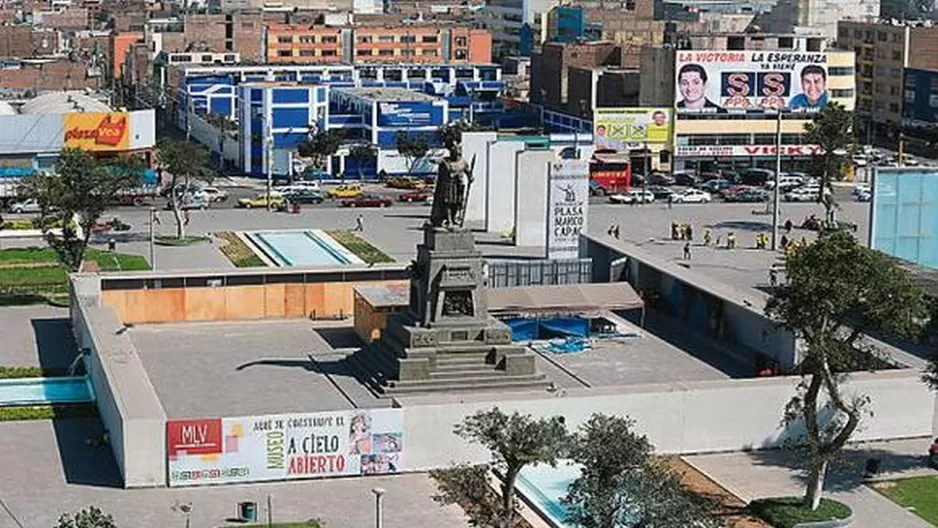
[[565, 298]]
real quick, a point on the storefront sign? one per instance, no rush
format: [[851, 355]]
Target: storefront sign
[[717, 151], [567, 204], [284, 447], [97, 131]]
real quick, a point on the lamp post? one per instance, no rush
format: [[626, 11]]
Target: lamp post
[[778, 172], [152, 238], [269, 150], [379, 492]]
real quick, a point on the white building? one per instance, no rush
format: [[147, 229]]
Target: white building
[[516, 25]]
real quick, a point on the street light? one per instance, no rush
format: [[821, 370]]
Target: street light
[[379, 492], [778, 172], [152, 237]]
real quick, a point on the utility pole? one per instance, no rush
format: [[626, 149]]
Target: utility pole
[[152, 238], [269, 151], [778, 172]]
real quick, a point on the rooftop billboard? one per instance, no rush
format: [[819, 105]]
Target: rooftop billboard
[[617, 128], [749, 81]]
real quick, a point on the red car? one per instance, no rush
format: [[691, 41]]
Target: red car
[[368, 200], [416, 196]]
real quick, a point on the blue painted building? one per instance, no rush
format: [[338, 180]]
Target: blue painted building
[[920, 106], [274, 118], [379, 114]]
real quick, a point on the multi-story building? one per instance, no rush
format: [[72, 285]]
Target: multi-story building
[[304, 44], [823, 16], [725, 98], [883, 52], [550, 68], [517, 26]]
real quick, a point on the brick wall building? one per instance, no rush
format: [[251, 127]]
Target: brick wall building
[[550, 68], [26, 41], [71, 18], [49, 76]]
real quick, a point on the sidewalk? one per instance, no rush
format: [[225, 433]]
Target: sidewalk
[[775, 473]]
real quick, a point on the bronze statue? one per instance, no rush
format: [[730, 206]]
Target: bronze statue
[[452, 190]]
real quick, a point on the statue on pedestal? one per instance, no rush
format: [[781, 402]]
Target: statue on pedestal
[[452, 190]]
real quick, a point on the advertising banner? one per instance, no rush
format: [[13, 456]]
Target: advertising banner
[[284, 447], [96, 131], [750, 81], [409, 114], [717, 151], [567, 205], [620, 128]]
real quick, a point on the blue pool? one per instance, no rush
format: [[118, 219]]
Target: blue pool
[[543, 487], [300, 248], [39, 391]]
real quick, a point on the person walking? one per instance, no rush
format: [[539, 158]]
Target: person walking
[[708, 237], [690, 232], [670, 201], [730, 240], [788, 226], [773, 276], [686, 250], [615, 231], [360, 223]]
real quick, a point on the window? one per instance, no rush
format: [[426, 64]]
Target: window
[[882, 36], [284, 53], [630, 5], [460, 54], [897, 37], [409, 39], [896, 55], [894, 107], [206, 58], [393, 75], [385, 38], [408, 52], [363, 39], [857, 34], [328, 53], [840, 70], [363, 53], [307, 39], [893, 90], [868, 36], [461, 42], [429, 39], [328, 39], [429, 52], [307, 53], [910, 96], [847, 92], [786, 43], [385, 52], [285, 40], [465, 73]]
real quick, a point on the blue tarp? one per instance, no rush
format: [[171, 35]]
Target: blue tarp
[[548, 328]]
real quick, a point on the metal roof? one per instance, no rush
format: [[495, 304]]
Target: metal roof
[[63, 103], [565, 298]]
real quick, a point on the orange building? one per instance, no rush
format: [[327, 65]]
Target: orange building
[[120, 45], [415, 44]]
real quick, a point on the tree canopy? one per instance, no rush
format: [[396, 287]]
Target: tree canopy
[[412, 146], [836, 292], [89, 518], [832, 130], [185, 163], [321, 145]]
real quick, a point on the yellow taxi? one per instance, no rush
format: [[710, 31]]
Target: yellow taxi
[[260, 201], [406, 182], [347, 191]]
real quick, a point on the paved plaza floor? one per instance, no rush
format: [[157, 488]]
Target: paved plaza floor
[[34, 336], [48, 469], [752, 475]]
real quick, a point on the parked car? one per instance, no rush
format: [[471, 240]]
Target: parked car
[[298, 185], [786, 182], [304, 196], [715, 186], [660, 192], [311, 173], [215, 194], [860, 160], [864, 195], [659, 178], [632, 196], [368, 200], [415, 196], [405, 182], [686, 178], [803, 194], [747, 195], [353, 190], [26, 206], [756, 176], [691, 196], [260, 201], [187, 201]]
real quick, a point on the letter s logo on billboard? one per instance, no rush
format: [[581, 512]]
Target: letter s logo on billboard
[[737, 83], [774, 84]]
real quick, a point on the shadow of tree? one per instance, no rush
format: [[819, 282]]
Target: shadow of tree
[[741, 225]]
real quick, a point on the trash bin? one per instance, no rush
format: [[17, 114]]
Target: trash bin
[[872, 466], [247, 511]]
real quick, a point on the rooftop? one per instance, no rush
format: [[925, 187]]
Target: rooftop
[[388, 94]]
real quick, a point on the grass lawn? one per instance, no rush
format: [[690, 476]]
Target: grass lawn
[[237, 251], [786, 512], [276, 525], [47, 412], [919, 495], [8, 372], [359, 246]]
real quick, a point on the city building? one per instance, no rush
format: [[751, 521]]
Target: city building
[[920, 104], [822, 17], [883, 52], [550, 68], [517, 26], [431, 44]]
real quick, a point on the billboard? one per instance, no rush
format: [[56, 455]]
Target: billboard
[[616, 128], [904, 214], [719, 151], [750, 81], [97, 131], [284, 447], [409, 114], [567, 205]]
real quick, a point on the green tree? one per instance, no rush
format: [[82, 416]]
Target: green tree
[[321, 146], [469, 487], [186, 163], [75, 198], [412, 146], [623, 485], [515, 441], [89, 518], [832, 130], [362, 153], [836, 292]]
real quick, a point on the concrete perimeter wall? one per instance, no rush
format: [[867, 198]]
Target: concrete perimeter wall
[[126, 401], [678, 418]]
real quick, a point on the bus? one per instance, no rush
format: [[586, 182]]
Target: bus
[[610, 173]]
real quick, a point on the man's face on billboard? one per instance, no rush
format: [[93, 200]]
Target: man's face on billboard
[[692, 86], [813, 86]]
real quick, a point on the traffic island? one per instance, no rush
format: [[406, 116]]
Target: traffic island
[[180, 241], [790, 512]]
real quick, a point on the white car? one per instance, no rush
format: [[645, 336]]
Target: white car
[[214, 194], [25, 206], [859, 161], [803, 194], [298, 187], [632, 196], [691, 196], [786, 183], [864, 195]]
